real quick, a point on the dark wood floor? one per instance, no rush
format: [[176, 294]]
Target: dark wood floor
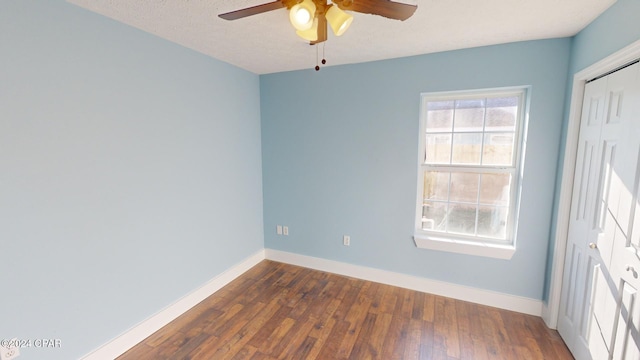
[[280, 311]]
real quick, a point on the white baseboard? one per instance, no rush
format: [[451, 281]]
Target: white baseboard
[[549, 319], [460, 292], [133, 336]]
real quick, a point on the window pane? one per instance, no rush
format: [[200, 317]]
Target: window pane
[[462, 219], [464, 187], [436, 185], [439, 116], [469, 115], [438, 149], [495, 189], [433, 216], [502, 113], [472, 142], [467, 148], [492, 221], [498, 149]]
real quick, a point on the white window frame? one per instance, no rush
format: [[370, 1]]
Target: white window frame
[[473, 245]]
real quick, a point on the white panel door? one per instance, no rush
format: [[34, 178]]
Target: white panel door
[[599, 311], [578, 260], [623, 211]]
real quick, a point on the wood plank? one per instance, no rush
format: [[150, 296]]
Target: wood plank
[[417, 312], [304, 351], [141, 351], [414, 337], [388, 303], [257, 323], [378, 335], [361, 345], [355, 317], [297, 341], [393, 347], [190, 344], [446, 334], [277, 337], [322, 329], [263, 334], [281, 311], [330, 348], [470, 332], [426, 340], [247, 352], [429, 307]]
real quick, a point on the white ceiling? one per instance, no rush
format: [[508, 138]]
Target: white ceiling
[[267, 43]]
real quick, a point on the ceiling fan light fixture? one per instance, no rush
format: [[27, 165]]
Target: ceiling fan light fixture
[[311, 34], [302, 15], [338, 19]]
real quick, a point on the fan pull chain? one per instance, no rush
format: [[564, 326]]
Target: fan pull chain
[[317, 55]]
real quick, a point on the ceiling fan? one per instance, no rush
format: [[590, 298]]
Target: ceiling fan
[[310, 17]]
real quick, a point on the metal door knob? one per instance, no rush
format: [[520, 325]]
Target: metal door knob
[[593, 245]]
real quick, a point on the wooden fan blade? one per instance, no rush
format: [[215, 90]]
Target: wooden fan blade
[[259, 9], [386, 8], [322, 30]]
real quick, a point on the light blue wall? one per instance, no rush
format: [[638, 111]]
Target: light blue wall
[[130, 174], [340, 157], [616, 28]]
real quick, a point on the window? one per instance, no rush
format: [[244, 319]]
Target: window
[[469, 171]]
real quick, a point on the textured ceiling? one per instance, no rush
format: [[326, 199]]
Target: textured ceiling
[[267, 43]]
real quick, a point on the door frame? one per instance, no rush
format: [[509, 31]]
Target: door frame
[[551, 310]]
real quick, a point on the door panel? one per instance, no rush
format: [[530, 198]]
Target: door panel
[[571, 312], [627, 343], [597, 344], [602, 291], [623, 126], [574, 321]]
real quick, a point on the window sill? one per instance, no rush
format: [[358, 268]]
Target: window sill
[[491, 250]]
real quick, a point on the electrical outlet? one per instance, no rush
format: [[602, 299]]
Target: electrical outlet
[[346, 240], [8, 353], [279, 229], [285, 230]]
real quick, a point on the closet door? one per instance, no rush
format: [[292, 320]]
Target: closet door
[[572, 322], [621, 212], [599, 311]]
